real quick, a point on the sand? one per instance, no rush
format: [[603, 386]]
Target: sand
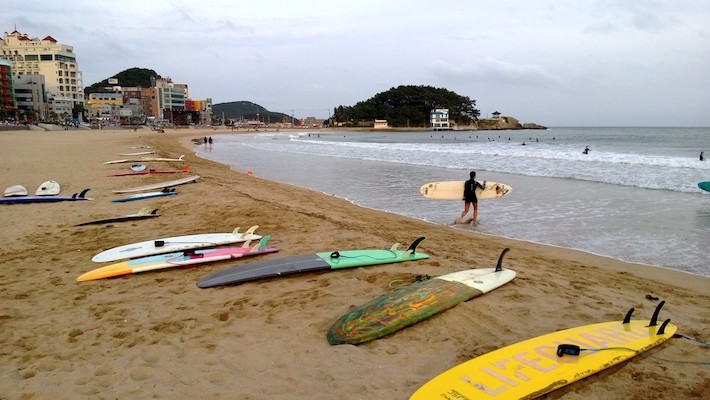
[[156, 335]]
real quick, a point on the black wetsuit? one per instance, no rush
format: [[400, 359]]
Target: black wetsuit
[[469, 191]]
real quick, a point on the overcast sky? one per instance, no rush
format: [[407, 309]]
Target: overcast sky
[[553, 62]]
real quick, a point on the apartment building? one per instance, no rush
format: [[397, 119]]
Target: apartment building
[[46, 57], [7, 95]]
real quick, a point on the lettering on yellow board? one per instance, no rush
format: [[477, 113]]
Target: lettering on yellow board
[[516, 365]]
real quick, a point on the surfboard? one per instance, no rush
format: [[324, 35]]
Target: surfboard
[[705, 186], [141, 214], [140, 153], [453, 190], [330, 260], [138, 167], [173, 244], [15, 191], [160, 185], [153, 171], [145, 159], [45, 199], [537, 366], [178, 259], [147, 195], [414, 303], [49, 188]]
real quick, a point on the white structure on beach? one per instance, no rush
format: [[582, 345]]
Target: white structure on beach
[[380, 124], [56, 62], [439, 119]]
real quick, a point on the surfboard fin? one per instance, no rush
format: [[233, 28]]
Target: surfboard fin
[[499, 267], [83, 193], [627, 318], [662, 329], [261, 245], [395, 246], [413, 247], [654, 318]]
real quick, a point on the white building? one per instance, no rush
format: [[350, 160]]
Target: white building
[[56, 62], [439, 119]]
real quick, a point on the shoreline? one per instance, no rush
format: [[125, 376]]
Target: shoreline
[[156, 334]]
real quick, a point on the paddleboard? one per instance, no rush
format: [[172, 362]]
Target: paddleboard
[[705, 186], [147, 195], [311, 262], [140, 153], [409, 305], [49, 188], [159, 185], [178, 259], [141, 214], [145, 159], [173, 244], [537, 366], [15, 191], [138, 167], [45, 199], [153, 171], [453, 190]]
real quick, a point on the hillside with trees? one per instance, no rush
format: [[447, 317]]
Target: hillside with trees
[[246, 110], [408, 106], [132, 77]]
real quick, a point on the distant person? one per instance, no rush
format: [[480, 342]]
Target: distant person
[[586, 150], [209, 140], [469, 196], [702, 158]]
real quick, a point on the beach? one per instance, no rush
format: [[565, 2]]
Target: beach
[[157, 335]]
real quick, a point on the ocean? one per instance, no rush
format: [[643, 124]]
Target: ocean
[[633, 197]]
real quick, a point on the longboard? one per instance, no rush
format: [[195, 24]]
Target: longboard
[[537, 366], [173, 244], [140, 153], [147, 195], [45, 199], [160, 185], [179, 259], [145, 159], [15, 191], [141, 214], [414, 303], [311, 262], [152, 171], [705, 186], [453, 190], [49, 188]]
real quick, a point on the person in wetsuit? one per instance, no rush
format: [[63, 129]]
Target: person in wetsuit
[[469, 195]]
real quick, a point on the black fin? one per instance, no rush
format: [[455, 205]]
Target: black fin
[[499, 267], [662, 329], [413, 246], [627, 318], [654, 318]]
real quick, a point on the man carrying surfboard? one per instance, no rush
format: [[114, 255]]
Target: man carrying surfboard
[[469, 196]]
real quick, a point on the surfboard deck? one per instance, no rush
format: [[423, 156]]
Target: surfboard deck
[[311, 262], [178, 259], [144, 159], [409, 305], [453, 190], [147, 195], [160, 185], [705, 186], [152, 171], [45, 199], [15, 191], [48, 188], [141, 214], [173, 244], [537, 366]]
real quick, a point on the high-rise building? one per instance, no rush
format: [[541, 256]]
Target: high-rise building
[[46, 57], [7, 95]]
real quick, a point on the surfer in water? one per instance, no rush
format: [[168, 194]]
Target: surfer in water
[[469, 196]]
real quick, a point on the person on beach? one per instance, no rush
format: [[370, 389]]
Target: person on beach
[[469, 196]]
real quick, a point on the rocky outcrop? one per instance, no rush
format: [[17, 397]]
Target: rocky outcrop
[[502, 123]]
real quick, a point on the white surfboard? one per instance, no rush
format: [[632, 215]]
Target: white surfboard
[[172, 244], [15, 191], [140, 153], [49, 188], [159, 185], [453, 190], [145, 159]]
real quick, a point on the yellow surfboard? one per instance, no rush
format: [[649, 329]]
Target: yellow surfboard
[[453, 190], [531, 368]]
